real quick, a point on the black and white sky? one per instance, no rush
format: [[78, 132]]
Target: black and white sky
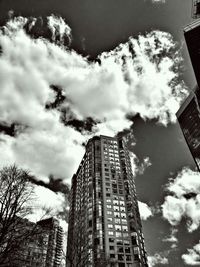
[[73, 69]]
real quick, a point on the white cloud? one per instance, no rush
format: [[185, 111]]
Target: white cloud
[[192, 257], [172, 238], [157, 259], [158, 1], [122, 84], [145, 210], [46, 203], [139, 167], [58, 28], [184, 200]]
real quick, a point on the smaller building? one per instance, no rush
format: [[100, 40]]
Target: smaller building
[[41, 245]]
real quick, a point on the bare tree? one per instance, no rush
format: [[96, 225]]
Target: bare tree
[[16, 193]]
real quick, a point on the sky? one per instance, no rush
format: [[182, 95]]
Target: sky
[[72, 69]]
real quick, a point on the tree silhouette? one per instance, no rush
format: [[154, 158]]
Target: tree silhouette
[[16, 193]]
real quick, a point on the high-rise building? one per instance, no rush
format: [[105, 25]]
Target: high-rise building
[[189, 119], [104, 221], [41, 245], [54, 245], [192, 37]]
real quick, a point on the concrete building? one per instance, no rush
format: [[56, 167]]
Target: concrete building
[[104, 221], [40, 244]]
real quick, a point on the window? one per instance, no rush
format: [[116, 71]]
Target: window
[[109, 212], [118, 227], [110, 232], [117, 220], [123, 215], [112, 247], [118, 234], [111, 240], [125, 228], [108, 200], [110, 226], [108, 206]]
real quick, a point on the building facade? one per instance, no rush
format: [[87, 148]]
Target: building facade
[[192, 38], [41, 246], [189, 120], [104, 221]]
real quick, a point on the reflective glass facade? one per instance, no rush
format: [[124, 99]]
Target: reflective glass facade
[[189, 120], [104, 221], [192, 37]]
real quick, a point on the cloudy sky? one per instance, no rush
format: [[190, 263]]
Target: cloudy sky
[[73, 69]]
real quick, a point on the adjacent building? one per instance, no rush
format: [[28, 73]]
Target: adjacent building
[[192, 37], [189, 113], [189, 120], [40, 244], [104, 221]]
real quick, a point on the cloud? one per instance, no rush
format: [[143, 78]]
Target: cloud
[[139, 167], [157, 259], [60, 30], [145, 210], [118, 84], [192, 257], [46, 203], [184, 199], [172, 238], [158, 1]]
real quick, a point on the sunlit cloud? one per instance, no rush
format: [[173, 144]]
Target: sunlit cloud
[[183, 200], [192, 257], [118, 84]]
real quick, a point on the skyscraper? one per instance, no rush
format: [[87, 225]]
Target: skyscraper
[[189, 113], [189, 119], [192, 37], [104, 221]]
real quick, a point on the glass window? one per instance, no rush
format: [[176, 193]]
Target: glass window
[[110, 226], [110, 232], [116, 214], [125, 228], [118, 234], [118, 227]]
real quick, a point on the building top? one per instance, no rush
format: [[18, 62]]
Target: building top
[[192, 25], [187, 101]]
